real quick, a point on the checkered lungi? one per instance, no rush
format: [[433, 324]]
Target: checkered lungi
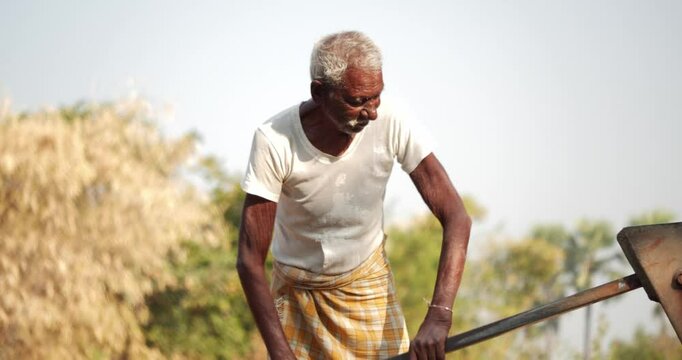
[[354, 315]]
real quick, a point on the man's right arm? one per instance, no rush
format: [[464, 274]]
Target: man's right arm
[[255, 235]]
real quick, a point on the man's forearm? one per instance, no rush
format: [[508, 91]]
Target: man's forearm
[[441, 197], [430, 339], [255, 232], [452, 260], [264, 312]]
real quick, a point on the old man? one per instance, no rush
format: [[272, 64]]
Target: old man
[[315, 186]]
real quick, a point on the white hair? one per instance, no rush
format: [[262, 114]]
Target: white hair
[[335, 53]]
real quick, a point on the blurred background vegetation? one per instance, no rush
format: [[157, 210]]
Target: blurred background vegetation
[[117, 242]]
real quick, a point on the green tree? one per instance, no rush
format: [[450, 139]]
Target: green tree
[[589, 253], [413, 252], [645, 346], [656, 216], [520, 275], [205, 315]]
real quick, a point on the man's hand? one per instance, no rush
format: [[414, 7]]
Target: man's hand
[[430, 340]]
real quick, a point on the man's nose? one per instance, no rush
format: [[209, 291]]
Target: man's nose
[[369, 111]]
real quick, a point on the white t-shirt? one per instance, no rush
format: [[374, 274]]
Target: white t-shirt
[[330, 208]]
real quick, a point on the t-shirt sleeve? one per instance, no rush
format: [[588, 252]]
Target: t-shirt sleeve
[[410, 144], [265, 171]]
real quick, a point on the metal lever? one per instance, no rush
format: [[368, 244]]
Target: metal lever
[[576, 301]]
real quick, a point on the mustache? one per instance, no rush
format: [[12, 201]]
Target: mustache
[[356, 122]]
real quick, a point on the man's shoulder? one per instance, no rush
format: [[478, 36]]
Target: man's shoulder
[[281, 126]]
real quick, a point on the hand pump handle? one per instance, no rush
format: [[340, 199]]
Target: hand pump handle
[[583, 298]]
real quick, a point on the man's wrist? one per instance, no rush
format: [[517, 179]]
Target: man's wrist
[[439, 315]]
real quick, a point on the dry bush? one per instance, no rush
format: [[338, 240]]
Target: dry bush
[[91, 202]]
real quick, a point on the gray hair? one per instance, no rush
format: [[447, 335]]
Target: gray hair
[[335, 53]]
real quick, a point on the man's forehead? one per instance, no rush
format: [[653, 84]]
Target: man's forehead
[[362, 80]]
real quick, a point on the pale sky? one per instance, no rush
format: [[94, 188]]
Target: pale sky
[[544, 111]]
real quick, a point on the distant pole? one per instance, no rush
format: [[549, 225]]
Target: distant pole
[[587, 346]]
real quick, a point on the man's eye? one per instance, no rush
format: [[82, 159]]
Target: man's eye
[[353, 100]]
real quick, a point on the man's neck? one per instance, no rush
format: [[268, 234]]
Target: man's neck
[[321, 132]]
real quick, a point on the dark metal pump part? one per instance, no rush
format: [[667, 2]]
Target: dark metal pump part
[[655, 252]]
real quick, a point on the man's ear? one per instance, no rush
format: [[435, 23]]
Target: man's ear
[[317, 91]]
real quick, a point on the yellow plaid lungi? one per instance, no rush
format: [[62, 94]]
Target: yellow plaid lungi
[[346, 316]]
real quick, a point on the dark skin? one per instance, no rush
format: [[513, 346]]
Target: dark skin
[[330, 121]]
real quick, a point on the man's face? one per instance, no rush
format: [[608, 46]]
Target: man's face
[[352, 106]]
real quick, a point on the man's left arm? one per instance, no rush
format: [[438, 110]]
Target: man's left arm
[[440, 196]]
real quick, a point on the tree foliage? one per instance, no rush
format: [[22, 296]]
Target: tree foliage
[[512, 276], [413, 252], [646, 346], [656, 216], [589, 253], [588, 249], [92, 199], [205, 316]]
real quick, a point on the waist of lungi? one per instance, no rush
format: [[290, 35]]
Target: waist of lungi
[[374, 268]]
